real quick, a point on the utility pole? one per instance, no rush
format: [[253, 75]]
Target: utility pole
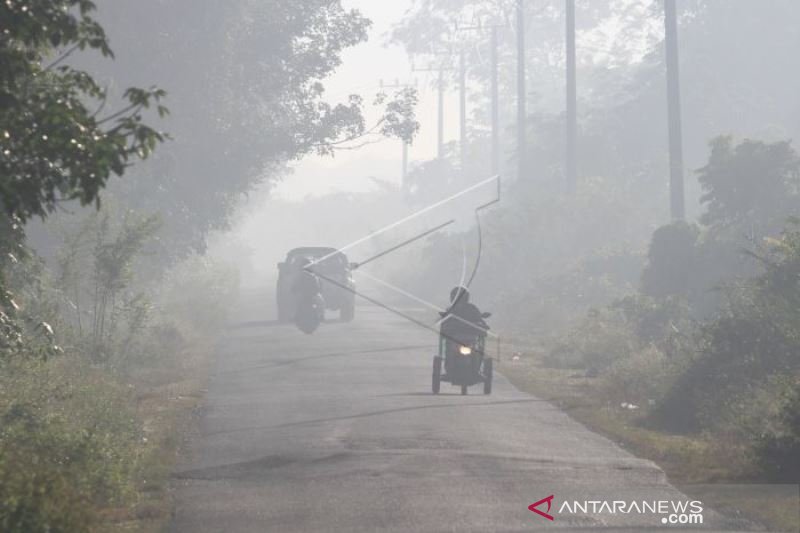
[[521, 90], [495, 110], [677, 208], [440, 132], [462, 100], [440, 88], [572, 102], [404, 171], [495, 107]]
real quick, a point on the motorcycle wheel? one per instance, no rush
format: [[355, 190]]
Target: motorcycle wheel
[[437, 374], [487, 376], [463, 390]]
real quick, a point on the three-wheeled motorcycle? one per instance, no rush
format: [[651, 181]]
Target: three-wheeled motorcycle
[[468, 363]]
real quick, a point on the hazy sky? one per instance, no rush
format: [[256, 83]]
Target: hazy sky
[[365, 65], [361, 72]]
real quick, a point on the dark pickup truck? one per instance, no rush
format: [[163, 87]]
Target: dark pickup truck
[[337, 290]]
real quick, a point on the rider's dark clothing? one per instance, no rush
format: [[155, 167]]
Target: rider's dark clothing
[[463, 323], [461, 326]]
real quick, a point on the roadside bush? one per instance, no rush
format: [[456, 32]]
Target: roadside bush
[[755, 341], [73, 444], [643, 378], [602, 338], [188, 309], [737, 353], [694, 265], [778, 448], [617, 332], [69, 444], [670, 261], [199, 292]]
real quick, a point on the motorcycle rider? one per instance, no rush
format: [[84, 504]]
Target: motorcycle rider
[[461, 324]]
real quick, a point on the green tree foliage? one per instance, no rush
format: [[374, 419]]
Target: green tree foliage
[[752, 187], [756, 337], [53, 146], [711, 341], [247, 97], [69, 443], [670, 261], [778, 448]]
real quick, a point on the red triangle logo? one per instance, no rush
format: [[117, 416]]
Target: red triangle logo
[[533, 507]]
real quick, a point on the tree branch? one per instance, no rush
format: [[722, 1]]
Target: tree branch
[[63, 56]]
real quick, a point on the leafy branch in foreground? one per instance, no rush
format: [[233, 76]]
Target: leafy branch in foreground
[[53, 148]]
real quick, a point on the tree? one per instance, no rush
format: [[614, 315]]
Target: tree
[[247, 96], [671, 261], [53, 147], [750, 188]]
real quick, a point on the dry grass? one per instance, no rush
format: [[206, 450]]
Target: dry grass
[[687, 460], [166, 400]]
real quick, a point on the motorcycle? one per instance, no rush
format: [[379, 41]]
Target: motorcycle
[[466, 365], [310, 314]]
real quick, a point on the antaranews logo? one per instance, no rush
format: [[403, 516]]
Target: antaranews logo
[[533, 507], [669, 512]]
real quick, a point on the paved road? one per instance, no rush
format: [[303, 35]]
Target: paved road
[[338, 432]]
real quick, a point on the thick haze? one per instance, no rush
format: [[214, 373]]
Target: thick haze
[[588, 287]]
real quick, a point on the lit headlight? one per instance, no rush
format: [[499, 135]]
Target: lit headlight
[[464, 350]]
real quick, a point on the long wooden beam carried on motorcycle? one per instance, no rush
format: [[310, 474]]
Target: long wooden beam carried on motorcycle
[[480, 231], [404, 243], [408, 218], [384, 306], [430, 305], [433, 328], [435, 307]]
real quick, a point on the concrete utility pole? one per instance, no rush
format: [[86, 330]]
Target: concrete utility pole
[[440, 113], [495, 110], [404, 172], [571, 165], [677, 208], [495, 106], [441, 69], [462, 101], [521, 91]]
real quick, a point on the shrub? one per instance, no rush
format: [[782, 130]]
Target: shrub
[[69, 444], [617, 332], [602, 338], [642, 378], [778, 448], [670, 261]]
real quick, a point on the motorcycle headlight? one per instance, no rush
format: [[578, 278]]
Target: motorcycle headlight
[[464, 350]]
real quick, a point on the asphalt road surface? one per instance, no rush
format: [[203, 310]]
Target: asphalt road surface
[[338, 432]]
